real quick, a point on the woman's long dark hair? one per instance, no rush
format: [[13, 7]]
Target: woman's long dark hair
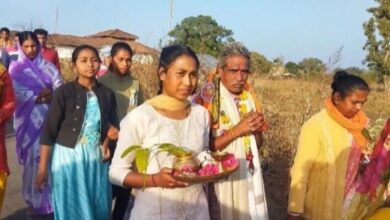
[[116, 48], [25, 35], [77, 50], [345, 83]]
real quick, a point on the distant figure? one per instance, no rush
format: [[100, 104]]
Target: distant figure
[[128, 96], [16, 37], [106, 61], [7, 107], [34, 80], [48, 54], [4, 57], [8, 44]]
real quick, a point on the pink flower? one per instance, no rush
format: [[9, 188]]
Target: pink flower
[[229, 162], [187, 168], [208, 170]]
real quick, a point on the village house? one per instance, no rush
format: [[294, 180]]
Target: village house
[[65, 44]]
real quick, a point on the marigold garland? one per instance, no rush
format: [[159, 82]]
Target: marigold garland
[[243, 109]]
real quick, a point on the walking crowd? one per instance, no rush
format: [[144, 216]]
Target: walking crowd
[[71, 138]]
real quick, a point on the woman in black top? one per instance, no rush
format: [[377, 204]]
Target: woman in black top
[[81, 115]]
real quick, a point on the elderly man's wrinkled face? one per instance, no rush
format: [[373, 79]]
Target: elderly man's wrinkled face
[[235, 73]]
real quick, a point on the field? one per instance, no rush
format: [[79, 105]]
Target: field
[[287, 104]]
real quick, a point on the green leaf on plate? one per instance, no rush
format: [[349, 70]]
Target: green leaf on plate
[[130, 149], [173, 149], [141, 159]]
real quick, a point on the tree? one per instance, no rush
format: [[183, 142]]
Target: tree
[[202, 33], [312, 66], [292, 68], [278, 61], [259, 63], [352, 70], [377, 30], [355, 70]]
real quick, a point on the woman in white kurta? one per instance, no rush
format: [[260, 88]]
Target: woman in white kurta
[[167, 118]]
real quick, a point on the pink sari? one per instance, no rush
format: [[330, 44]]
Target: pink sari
[[366, 192]]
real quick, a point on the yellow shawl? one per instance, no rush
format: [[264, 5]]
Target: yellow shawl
[[168, 103]]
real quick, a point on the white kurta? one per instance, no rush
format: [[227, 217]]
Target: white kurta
[[242, 194], [145, 126]]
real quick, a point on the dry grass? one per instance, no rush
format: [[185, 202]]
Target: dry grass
[[287, 104], [66, 70], [147, 76]]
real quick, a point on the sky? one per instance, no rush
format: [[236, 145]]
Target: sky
[[291, 29]]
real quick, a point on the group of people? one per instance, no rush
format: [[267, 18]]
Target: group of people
[[70, 121], [9, 47], [70, 139], [27, 91]]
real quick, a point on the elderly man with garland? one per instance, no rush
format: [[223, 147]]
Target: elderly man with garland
[[237, 126]]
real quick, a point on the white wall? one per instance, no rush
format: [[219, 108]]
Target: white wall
[[65, 52], [143, 58]]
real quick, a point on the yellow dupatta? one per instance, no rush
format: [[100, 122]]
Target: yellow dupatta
[[167, 102]]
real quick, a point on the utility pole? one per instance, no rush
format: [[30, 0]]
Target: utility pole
[[56, 24], [171, 17]]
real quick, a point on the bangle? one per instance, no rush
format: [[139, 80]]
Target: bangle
[[294, 214], [154, 183]]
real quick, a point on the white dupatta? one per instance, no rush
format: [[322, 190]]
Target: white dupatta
[[241, 184]]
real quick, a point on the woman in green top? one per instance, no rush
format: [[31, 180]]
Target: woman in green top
[[119, 79], [127, 95]]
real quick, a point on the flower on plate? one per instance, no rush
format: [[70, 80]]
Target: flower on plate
[[208, 170]]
